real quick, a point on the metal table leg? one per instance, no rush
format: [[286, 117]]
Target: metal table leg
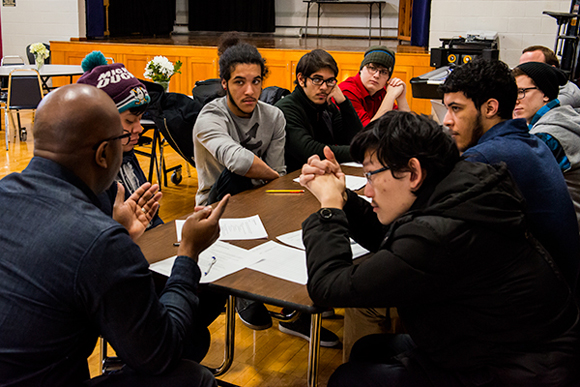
[[314, 349], [380, 22], [370, 21], [229, 339], [318, 22], [307, 16]]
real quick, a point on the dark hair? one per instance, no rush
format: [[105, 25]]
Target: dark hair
[[481, 80], [516, 72], [232, 51], [314, 61], [549, 55], [137, 110], [398, 136]]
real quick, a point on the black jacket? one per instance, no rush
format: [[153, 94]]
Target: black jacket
[[309, 127], [472, 286]]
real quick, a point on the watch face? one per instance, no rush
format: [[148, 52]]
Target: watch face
[[326, 213]]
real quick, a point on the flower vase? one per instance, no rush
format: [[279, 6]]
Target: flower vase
[[164, 84], [39, 63]]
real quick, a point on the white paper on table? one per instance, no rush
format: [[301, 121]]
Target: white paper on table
[[179, 228], [352, 164], [229, 259], [354, 183], [294, 239], [235, 229], [280, 261]]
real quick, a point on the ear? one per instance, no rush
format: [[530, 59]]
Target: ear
[[490, 108], [101, 154], [224, 84], [300, 78], [418, 174]]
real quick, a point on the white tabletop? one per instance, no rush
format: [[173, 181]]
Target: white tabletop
[[48, 70]]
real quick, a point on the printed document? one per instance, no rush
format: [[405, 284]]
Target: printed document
[[280, 261], [217, 261]]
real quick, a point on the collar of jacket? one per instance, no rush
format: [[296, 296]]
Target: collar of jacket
[[540, 113], [306, 101]]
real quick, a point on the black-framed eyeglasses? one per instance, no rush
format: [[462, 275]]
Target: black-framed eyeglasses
[[125, 139], [373, 70], [371, 173], [330, 82], [522, 92]]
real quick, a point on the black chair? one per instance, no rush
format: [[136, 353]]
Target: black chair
[[158, 142], [24, 93], [8, 60]]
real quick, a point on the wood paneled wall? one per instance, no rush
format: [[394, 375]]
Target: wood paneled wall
[[201, 63]]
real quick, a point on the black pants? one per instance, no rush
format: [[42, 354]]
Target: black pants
[[388, 360], [185, 374]]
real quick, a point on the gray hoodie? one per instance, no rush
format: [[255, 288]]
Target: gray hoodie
[[563, 123]]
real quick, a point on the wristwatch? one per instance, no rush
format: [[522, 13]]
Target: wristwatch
[[325, 213]]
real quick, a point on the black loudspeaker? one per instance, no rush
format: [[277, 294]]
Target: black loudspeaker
[[459, 51]]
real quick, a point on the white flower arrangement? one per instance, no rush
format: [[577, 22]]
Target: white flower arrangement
[[160, 69], [39, 51]]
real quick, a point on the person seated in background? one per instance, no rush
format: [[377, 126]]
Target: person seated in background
[[558, 126], [482, 301], [79, 275], [569, 93], [480, 97], [312, 119], [373, 91], [131, 98], [238, 140]]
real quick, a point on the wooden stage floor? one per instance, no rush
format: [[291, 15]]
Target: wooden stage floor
[[260, 40]]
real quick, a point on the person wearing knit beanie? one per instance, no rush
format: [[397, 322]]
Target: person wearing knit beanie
[[569, 93], [128, 93], [538, 85], [558, 126], [132, 99], [380, 56], [373, 91]]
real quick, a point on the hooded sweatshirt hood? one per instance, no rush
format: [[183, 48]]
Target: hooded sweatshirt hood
[[477, 193]]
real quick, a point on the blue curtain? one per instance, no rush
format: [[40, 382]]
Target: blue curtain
[[420, 23], [95, 18]]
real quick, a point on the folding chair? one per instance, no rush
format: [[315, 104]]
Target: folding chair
[[24, 93], [8, 60]]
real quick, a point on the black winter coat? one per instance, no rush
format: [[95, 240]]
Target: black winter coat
[[473, 288]]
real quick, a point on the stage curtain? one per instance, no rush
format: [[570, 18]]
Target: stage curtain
[[420, 23], [232, 15], [141, 17]]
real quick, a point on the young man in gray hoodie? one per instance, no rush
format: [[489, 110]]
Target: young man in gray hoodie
[[555, 124]]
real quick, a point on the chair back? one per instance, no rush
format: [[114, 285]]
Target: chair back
[[11, 60], [24, 92], [32, 59]]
